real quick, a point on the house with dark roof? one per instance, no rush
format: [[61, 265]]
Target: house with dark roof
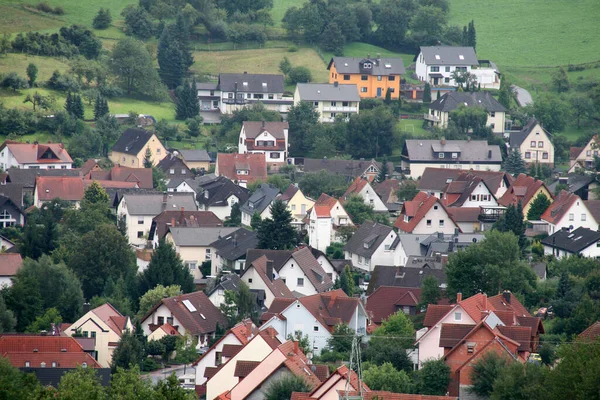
[[199, 159], [579, 184], [141, 176], [388, 300], [229, 252], [534, 143], [265, 137], [524, 190], [66, 188], [436, 180], [374, 76], [228, 282], [24, 179], [386, 191], [372, 244], [583, 242], [582, 158], [425, 214], [6, 245], [242, 168], [259, 202], [130, 149], [173, 218], [568, 211], [438, 64], [10, 264], [419, 154], [190, 314], [218, 194], [174, 167], [262, 278], [406, 276], [11, 213], [441, 109], [34, 156], [332, 101], [316, 316], [325, 218], [361, 187], [348, 168]]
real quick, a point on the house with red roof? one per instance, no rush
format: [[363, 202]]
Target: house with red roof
[[436, 180], [342, 394], [591, 333], [140, 176], [425, 214], [388, 300], [10, 264], [104, 324], [66, 188], [324, 219], [524, 190], [34, 156], [568, 211], [242, 168], [262, 278], [265, 137], [315, 316], [361, 187], [340, 380]]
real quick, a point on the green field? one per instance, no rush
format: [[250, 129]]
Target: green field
[[359, 49], [281, 6]]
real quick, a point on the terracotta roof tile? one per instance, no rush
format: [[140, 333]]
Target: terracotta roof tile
[[574, 152], [561, 206], [228, 164], [230, 350], [24, 343], [451, 334], [331, 308], [355, 187], [435, 313], [499, 303], [520, 334], [10, 263], [522, 190], [243, 368], [26, 153], [111, 317], [62, 360], [169, 330], [276, 286], [384, 301], [69, 188], [591, 332], [381, 395], [197, 219], [417, 209]]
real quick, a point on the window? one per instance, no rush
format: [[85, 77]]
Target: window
[[346, 77], [545, 156], [367, 65], [230, 95], [583, 217], [293, 207], [207, 254], [333, 103], [533, 143], [540, 144], [391, 78], [379, 78], [441, 155], [300, 282], [470, 347], [595, 152], [85, 333], [315, 328], [271, 97], [183, 172], [93, 334], [275, 155], [527, 155], [457, 316], [447, 69], [258, 95], [157, 151], [428, 222], [363, 90], [43, 365], [387, 247], [53, 364], [250, 280], [27, 364], [436, 207], [140, 234], [446, 80], [316, 104], [461, 69], [84, 365], [435, 69], [441, 223], [493, 114], [392, 90], [364, 78], [571, 217], [588, 153], [161, 321], [454, 155], [360, 259], [492, 126], [212, 92], [345, 103], [141, 221]]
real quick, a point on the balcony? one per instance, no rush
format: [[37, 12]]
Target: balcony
[[491, 214], [340, 109], [429, 117]]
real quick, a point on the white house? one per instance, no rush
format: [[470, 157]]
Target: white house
[[534, 143], [316, 316], [436, 65], [331, 101], [34, 156], [581, 242], [363, 188], [326, 216], [219, 195], [425, 214], [260, 276], [10, 264], [268, 138], [373, 244], [570, 212], [259, 202], [583, 158], [436, 180]]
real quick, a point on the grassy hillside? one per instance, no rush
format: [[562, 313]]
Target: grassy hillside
[[281, 6]]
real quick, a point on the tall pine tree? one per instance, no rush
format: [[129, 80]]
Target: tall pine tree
[[427, 93], [187, 101], [277, 233], [173, 54], [166, 268], [514, 163], [100, 107], [472, 35]]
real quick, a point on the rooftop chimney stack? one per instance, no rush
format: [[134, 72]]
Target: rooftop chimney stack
[[86, 307], [443, 141], [173, 221], [489, 154], [458, 297], [485, 306], [296, 347], [248, 328], [506, 295], [270, 269]]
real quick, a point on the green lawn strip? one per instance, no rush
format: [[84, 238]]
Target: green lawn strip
[[15, 62]]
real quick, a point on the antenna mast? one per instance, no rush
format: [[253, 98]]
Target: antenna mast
[[356, 366]]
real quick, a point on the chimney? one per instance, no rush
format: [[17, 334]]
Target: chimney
[[458, 297], [164, 198], [86, 307], [270, 269], [443, 141], [489, 154], [263, 124], [173, 222], [335, 84], [506, 295], [248, 328], [296, 347], [245, 72], [485, 306]]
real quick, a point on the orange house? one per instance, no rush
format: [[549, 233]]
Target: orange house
[[373, 76]]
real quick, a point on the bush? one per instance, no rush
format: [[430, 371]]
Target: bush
[[64, 83], [293, 48], [299, 75], [45, 7], [150, 364]]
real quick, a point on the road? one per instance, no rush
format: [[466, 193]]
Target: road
[[523, 96], [161, 374]]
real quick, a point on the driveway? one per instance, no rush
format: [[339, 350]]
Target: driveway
[[523, 96]]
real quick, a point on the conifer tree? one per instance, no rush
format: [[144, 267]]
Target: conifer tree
[[472, 35], [148, 158], [383, 171], [514, 163], [77, 107], [427, 93], [539, 205], [100, 107], [277, 233], [187, 101], [171, 68], [166, 268]]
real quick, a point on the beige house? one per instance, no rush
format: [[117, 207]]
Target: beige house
[[331, 101], [534, 143], [106, 325], [130, 149], [583, 158], [297, 203], [196, 159]]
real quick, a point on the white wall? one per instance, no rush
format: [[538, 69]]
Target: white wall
[[290, 272], [578, 216], [209, 358], [320, 232], [254, 281], [161, 311], [480, 190], [371, 198], [435, 216]]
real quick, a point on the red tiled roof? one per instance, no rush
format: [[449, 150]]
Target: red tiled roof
[[254, 128], [111, 184], [26, 153], [289, 193], [574, 152], [322, 211], [383, 301], [591, 332], [64, 187], [111, 317], [321, 371], [169, 330], [89, 166], [464, 214], [230, 350], [184, 218], [24, 343], [498, 302], [387, 190], [277, 306], [10, 263], [141, 176], [451, 334], [243, 368], [506, 316], [255, 164], [355, 187], [417, 209], [300, 396], [381, 395], [535, 323], [435, 313], [520, 334], [561, 206], [269, 335], [298, 364], [331, 308], [62, 360], [209, 372], [240, 331], [522, 190]]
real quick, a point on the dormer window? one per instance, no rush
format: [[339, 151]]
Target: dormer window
[[367, 65], [461, 57], [441, 155]]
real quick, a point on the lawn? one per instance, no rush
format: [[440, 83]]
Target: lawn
[[532, 32], [412, 126], [14, 18], [281, 6], [18, 63]]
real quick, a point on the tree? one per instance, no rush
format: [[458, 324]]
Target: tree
[[551, 111], [433, 378], [193, 125], [341, 339], [32, 72], [427, 93], [282, 388], [386, 377], [303, 341], [95, 194], [428, 24], [235, 217], [173, 58], [383, 172], [472, 35], [313, 184], [39, 101], [7, 317], [347, 282], [301, 118], [467, 119], [392, 20], [148, 162], [74, 105], [484, 373], [109, 130], [408, 190], [166, 268], [187, 101], [582, 106], [44, 322], [153, 296], [521, 382], [298, 75], [285, 66], [333, 40], [255, 221], [560, 80], [539, 205], [430, 291], [277, 232], [513, 221], [15, 384], [170, 389], [81, 383], [129, 352], [514, 163], [371, 133], [358, 210], [240, 305], [127, 384], [100, 107], [138, 22], [506, 94], [14, 82], [103, 19]]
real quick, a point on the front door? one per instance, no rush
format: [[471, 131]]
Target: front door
[[435, 81], [378, 92]]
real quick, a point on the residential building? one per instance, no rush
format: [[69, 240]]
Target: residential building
[[25, 179], [10, 264], [163, 331], [582, 242], [324, 219], [190, 314], [130, 149], [590, 333], [259, 202], [268, 138], [11, 213], [229, 252], [373, 76], [141, 176], [582, 158], [425, 214], [524, 190], [331, 268], [384, 395], [174, 167], [534, 144], [169, 219], [263, 279], [436, 181], [404, 277], [438, 64], [434, 245], [297, 203], [228, 282], [242, 168], [331, 101], [104, 324], [348, 168], [219, 195], [570, 212], [363, 188], [14, 191], [139, 210], [386, 191], [419, 154], [388, 300], [89, 166], [579, 184], [440, 110], [199, 160], [315, 316], [34, 156], [340, 380], [372, 244], [48, 188], [235, 91], [6, 245]]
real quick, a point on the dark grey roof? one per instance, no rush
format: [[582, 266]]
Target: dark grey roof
[[254, 128], [384, 275], [195, 155], [14, 191], [540, 269], [235, 245], [10, 206], [256, 83], [349, 168], [424, 245], [367, 238], [424, 262], [260, 199], [215, 192], [575, 182], [26, 177], [206, 85], [473, 151], [517, 138], [381, 66], [132, 141], [574, 241], [169, 162], [449, 55], [327, 92], [153, 204], [340, 265], [453, 100], [204, 236], [279, 257]]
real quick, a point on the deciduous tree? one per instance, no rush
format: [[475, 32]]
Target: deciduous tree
[[166, 268], [283, 387], [81, 383], [153, 296], [386, 377], [32, 72], [301, 118], [485, 371]]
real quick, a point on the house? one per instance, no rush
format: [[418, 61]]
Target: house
[[388, 300], [594, 207], [259, 202], [406, 277], [297, 204], [89, 166], [139, 210], [384, 395], [372, 244], [437, 64], [435, 181], [348, 168], [331, 268], [591, 332], [191, 314], [263, 279], [10, 264], [363, 188], [130, 149], [419, 154], [141, 176], [339, 381], [534, 144], [425, 214], [219, 195], [106, 325], [242, 168], [174, 167], [524, 190], [34, 156], [583, 157], [387, 192], [583, 242], [229, 252], [14, 191], [570, 212], [268, 138], [235, 91], [440, 110], [434, 245], [324, 219], [316, 316], [163, 331], [227, 282], [579, 184], [6, 245], [25, 178], [11, 213], [373, 76], [193, 244], [199, 160], [331, 101], [48, 188], [49, 357], [168, 219]]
